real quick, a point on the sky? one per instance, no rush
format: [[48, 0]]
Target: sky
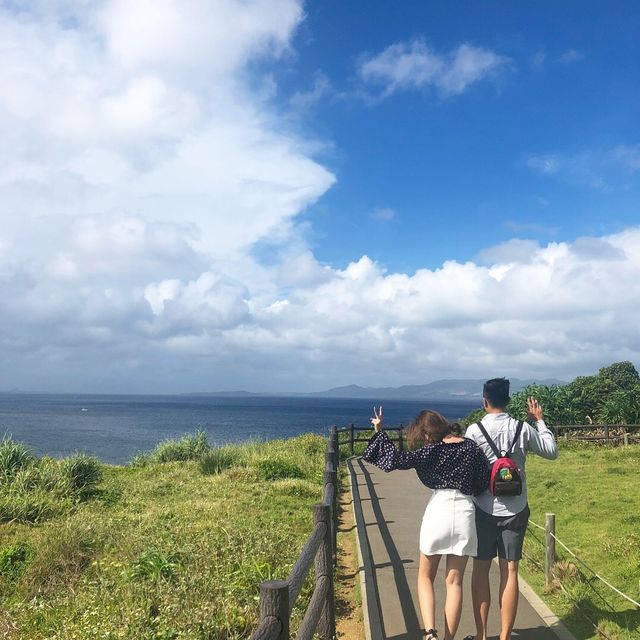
[[277, 195]]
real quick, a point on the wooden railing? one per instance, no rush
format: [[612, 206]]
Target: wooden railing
[[611, 433], [620, 433], [277, 597], [396, 434]]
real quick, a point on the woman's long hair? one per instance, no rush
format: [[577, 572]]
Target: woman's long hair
[[428, 427]]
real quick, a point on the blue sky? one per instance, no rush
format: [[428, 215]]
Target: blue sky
[[285, 195], [566, 91]]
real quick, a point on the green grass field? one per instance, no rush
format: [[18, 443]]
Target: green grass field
[[161, 550], [594, 492]]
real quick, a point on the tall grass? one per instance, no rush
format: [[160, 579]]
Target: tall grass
[[189, 447], [179, 552], [14, 456], [218, 460], [36, 489]]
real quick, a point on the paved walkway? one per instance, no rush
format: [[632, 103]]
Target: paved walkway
[[392, 508]]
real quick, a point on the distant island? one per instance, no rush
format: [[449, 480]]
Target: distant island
[[465, 389]]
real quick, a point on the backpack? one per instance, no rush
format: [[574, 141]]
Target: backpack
[[506, 478]]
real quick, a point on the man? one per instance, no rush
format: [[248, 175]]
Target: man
[[501, 522]]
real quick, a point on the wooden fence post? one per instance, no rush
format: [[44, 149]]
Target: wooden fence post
[[274, 602], [550, 547], [331, 477], [333, 438], [351, 439], [606, 432], [324, 567], [625, 438], [400, 445]]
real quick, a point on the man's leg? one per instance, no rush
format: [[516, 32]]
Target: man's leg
[[508, 596], [481, 595]]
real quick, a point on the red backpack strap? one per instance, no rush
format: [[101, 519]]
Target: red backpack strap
[[491, 443]]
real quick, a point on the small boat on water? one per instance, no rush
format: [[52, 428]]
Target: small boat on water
[[84, 409]]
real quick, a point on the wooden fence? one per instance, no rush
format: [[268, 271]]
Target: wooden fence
[[396, 434], [277, 597], [613, 433], [607, 433]]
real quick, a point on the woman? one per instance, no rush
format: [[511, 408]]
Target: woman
[[455, 469]]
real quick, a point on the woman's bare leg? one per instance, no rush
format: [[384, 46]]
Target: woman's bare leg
[[453, 604], [426, 596]]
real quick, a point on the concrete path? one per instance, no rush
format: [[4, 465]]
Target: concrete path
[[392, 508]]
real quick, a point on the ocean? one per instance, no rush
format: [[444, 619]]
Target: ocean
[[116, 427]]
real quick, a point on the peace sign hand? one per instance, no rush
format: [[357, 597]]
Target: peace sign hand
[[376, 421]]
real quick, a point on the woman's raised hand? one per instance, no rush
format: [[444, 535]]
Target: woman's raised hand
[[376, 421]]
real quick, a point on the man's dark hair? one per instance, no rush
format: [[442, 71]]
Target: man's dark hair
[[496, 392]]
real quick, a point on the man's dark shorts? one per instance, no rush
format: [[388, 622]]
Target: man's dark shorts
[[502, 536]]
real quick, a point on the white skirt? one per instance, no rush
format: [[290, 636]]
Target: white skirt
[[449, 525]]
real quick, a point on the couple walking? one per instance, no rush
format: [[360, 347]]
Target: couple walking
[[469, 514]]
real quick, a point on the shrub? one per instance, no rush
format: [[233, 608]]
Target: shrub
[[30, 508], [82, 473], [140, 460], [51, 477], [217, 460], [14, 558], [14, 456], [189, 447], [26, 480], [277, 468]]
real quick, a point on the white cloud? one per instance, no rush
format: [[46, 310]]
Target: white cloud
[[537, 60], [595, 168], [384, 213], [147, 108], [303, 100], [547, 164], [413, 65], [532, 227], [629, 156], [571, 55], [137, 176], [182, 319]]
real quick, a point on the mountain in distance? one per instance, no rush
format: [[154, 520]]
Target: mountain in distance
[[438, 390], [223, 394]]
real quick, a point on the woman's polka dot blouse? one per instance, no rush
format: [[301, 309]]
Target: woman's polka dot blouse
[[460, 465]]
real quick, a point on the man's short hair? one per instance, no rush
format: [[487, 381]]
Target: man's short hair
[[496, 392]]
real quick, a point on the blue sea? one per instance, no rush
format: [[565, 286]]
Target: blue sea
[[116, 427]]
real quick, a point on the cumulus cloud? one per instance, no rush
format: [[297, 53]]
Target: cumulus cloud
[[139, 172], [522, 309], [414, 65], [147, 107]]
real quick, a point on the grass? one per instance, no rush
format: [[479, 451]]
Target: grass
[[593, 490], [33, 490], [167, 549]]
